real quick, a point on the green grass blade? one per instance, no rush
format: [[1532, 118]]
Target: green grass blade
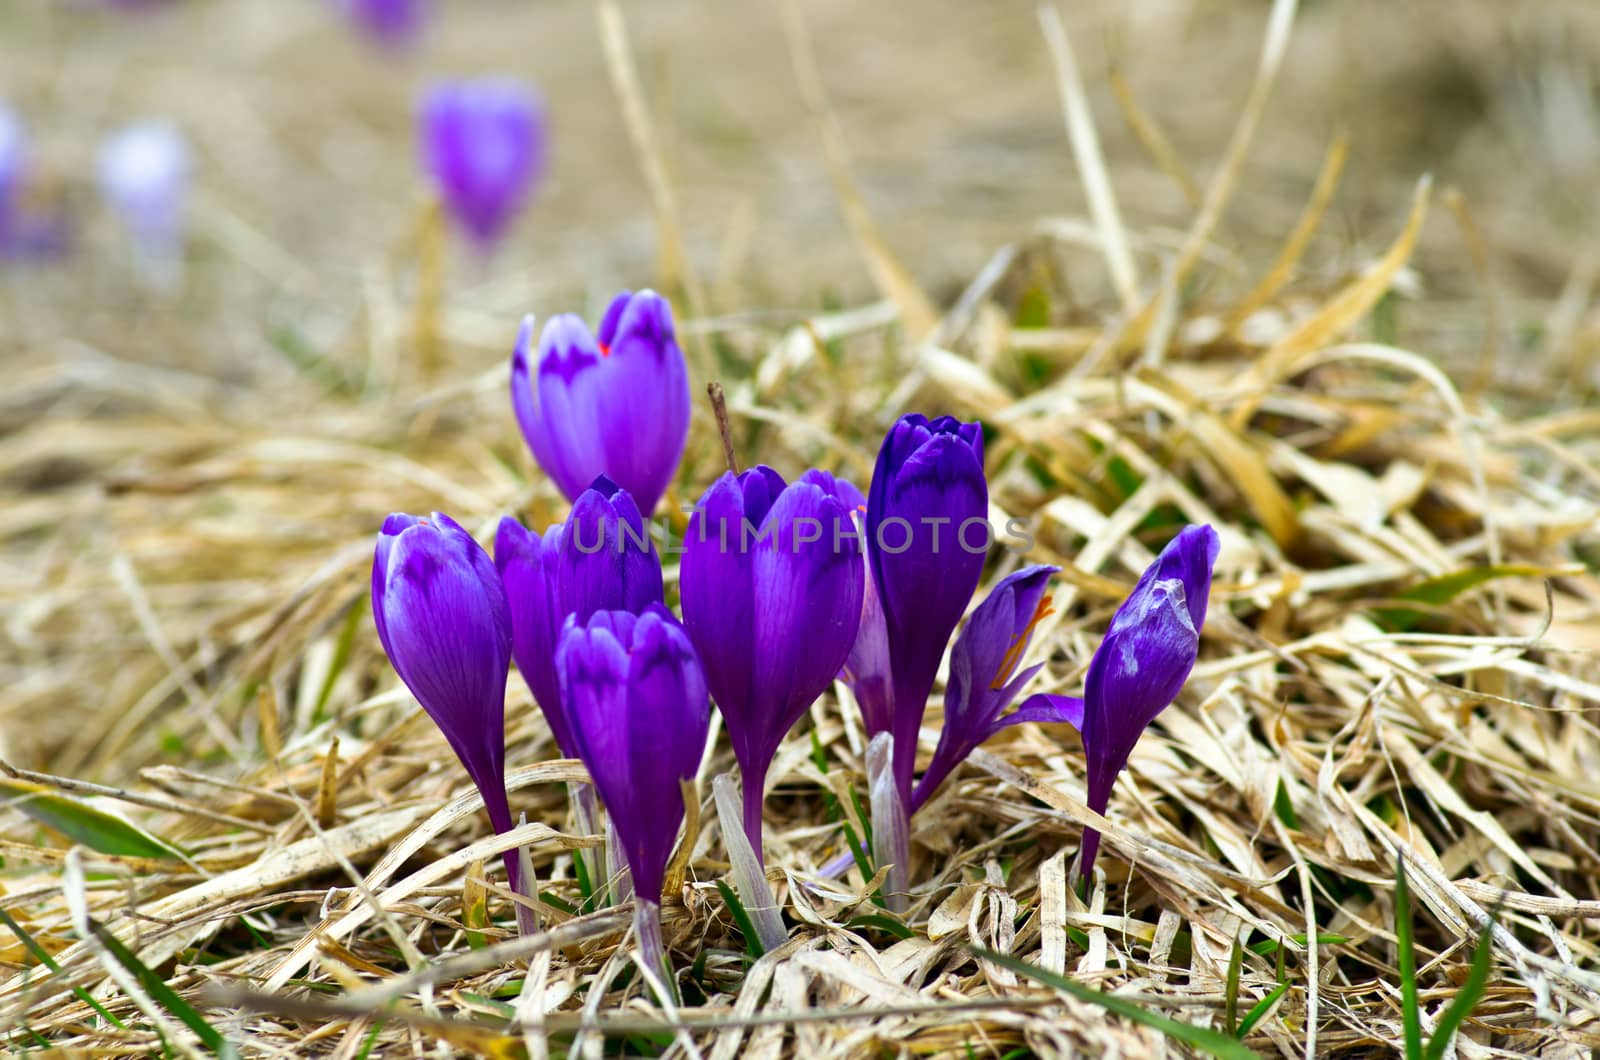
[[1231, 996], [740, 917], [1409, 1013], [1269, 947], [42, 955], [1213, 1043], [1259, 1010], [1466, 998], [82, 823], [161, 993]]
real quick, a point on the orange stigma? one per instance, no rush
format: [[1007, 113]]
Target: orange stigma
[[1019, 644], [605, 349]]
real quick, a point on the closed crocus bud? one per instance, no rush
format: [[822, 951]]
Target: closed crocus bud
[[13, 155], [985, 679], [1142, 663], [613, 404], [927, 536], [637, 702], [607, 561], [601, 559], [28, 232], [387, 23], [771, 582], [144, 178], [483, 145], [444, 623]]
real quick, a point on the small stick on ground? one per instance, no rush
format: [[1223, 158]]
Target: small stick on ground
[[719, 407]]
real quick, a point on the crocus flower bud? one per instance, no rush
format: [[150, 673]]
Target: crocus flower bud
[[608, 561], [984, 675], [637, 702], [771, 582], [1142, 663], [601, 559], [483, 145], [613, 404], [388, 23], [927, 536], [13, 155], [144, 178], [442, 617]]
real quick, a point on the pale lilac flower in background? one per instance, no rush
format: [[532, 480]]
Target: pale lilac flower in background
[[483, 146], [144, 179], [27, 232]]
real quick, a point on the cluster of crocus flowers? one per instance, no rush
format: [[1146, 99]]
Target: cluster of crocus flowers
[[483, 147], [785, 586], [613, 402]]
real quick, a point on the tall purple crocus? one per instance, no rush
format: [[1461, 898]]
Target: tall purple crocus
[[637, 702], [144, 178], [771, 582], [927, 536], [390, 24], [613, 404], [1142, 663], [601, 559], [483, 145], [984, 678], [442, 617]]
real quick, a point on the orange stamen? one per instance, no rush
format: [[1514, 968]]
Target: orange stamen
[[605, 350], [1019, 643]]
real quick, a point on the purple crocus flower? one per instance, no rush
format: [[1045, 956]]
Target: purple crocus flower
[[391, 24], [1142, 663], [27, 233], [984, 678], [601, 559], [444, 623], [144, 178], [13, 154], [927, 537], [637, 702], [771, 582], [613, 404], [483, 144]]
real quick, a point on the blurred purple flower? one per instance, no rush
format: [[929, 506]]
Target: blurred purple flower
[[637, 702], [984, 678], [388, 23], [483, 145], [548, 578], [144, 178], [1142, 663], [26, 233], [928, 492], [442, 617], [614, 405], [771, 582]]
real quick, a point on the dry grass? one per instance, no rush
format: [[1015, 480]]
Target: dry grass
[[189, 566]]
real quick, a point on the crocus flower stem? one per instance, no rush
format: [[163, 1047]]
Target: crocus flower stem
[[891, 835], [652, 954], [755, 783], [748, 878]]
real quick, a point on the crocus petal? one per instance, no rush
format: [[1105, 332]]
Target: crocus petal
[[867, 669], [483, 143], [640, 715], [715, 585], [617, 406], [983, 670], [607, 561], [927, 486], [442, 616], [1142, 663], [528, 566], [144, 171], [1046, 709]]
